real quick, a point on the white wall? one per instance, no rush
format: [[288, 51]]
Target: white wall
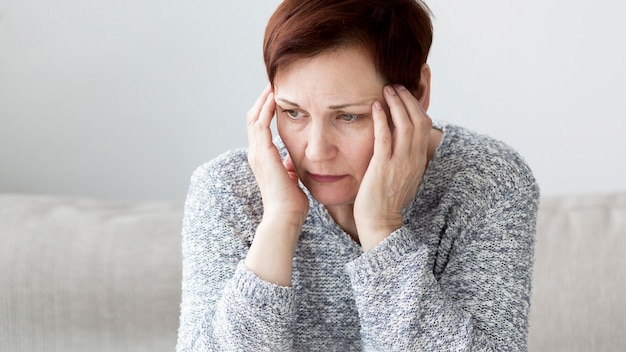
[[123, 99], [544, 75]]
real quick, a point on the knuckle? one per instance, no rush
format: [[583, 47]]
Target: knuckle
[[404, 126], [424, 123], [385, 139], [250, 118], [258, 126]]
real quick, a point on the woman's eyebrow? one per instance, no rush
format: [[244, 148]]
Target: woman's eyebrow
[[285, 101], [331, 107], [343, 106]]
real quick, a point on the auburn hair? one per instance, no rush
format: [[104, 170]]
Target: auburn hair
[[397, 34]]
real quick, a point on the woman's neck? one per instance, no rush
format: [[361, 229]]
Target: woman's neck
[[344, 217]]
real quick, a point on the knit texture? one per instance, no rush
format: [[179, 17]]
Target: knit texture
[[455, 277]]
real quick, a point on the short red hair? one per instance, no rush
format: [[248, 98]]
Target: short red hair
[[396, 33]]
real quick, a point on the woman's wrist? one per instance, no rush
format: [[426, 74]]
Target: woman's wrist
[[286, 223], [271, 254], [371, 233], [372, 239]]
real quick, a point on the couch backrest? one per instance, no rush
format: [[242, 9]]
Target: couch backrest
[[85, 275], [579, 281]]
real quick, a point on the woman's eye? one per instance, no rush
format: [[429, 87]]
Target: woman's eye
[[293, 114], [349, 117]]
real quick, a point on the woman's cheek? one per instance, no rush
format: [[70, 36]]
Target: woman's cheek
[[284, 131], [292, 139]]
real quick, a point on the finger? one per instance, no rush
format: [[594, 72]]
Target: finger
[[403, 126], [291, 168], [254, 111], [261, 150], [421, 121], [262, 126], [259, 133], [267, 111], [382, 132]]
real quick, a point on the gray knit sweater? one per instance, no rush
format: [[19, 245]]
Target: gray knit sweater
[[455, 277]]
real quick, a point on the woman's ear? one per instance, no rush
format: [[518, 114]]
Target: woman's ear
[[423, 91]]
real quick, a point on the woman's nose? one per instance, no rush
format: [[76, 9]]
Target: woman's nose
[[320, 144]]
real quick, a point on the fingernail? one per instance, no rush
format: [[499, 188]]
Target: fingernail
[[390, 90], [377, 106]]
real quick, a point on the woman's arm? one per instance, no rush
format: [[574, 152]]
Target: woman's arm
[[225, 307], [238, 297], [285, 206], [481, 300]]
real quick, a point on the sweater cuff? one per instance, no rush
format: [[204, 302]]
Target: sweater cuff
[[400, 245], [263, 295]]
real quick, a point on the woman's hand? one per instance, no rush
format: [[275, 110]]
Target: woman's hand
[[282, 197], [396, 167], [285, 206]]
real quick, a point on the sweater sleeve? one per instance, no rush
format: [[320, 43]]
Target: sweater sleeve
[[480, 302], [224, 306]]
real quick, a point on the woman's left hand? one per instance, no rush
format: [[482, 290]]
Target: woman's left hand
[[396, 168]]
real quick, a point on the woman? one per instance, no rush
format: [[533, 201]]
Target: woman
[[366, 226]]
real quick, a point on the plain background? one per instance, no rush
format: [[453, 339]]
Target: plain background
[[124, 99]]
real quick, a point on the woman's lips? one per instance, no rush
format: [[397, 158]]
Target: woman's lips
[[326, 178]]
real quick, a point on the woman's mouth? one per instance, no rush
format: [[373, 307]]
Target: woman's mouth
[[326, 178]]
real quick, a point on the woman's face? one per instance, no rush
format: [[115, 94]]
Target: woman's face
[[324, 117]]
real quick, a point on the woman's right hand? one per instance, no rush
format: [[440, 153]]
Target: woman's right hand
[[283, 200], [285, 206]]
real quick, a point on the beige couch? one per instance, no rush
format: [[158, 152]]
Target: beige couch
[[579, 282], [88, 275]]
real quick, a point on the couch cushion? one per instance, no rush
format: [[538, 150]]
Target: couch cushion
[[86, 275], [578, 301]]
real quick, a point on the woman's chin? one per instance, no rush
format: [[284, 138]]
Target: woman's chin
[[331, 198]]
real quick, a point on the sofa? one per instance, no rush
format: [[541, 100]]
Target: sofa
[[80, 274], [88, 275]]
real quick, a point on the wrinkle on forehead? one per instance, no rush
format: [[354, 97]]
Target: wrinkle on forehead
[[331, 80]]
